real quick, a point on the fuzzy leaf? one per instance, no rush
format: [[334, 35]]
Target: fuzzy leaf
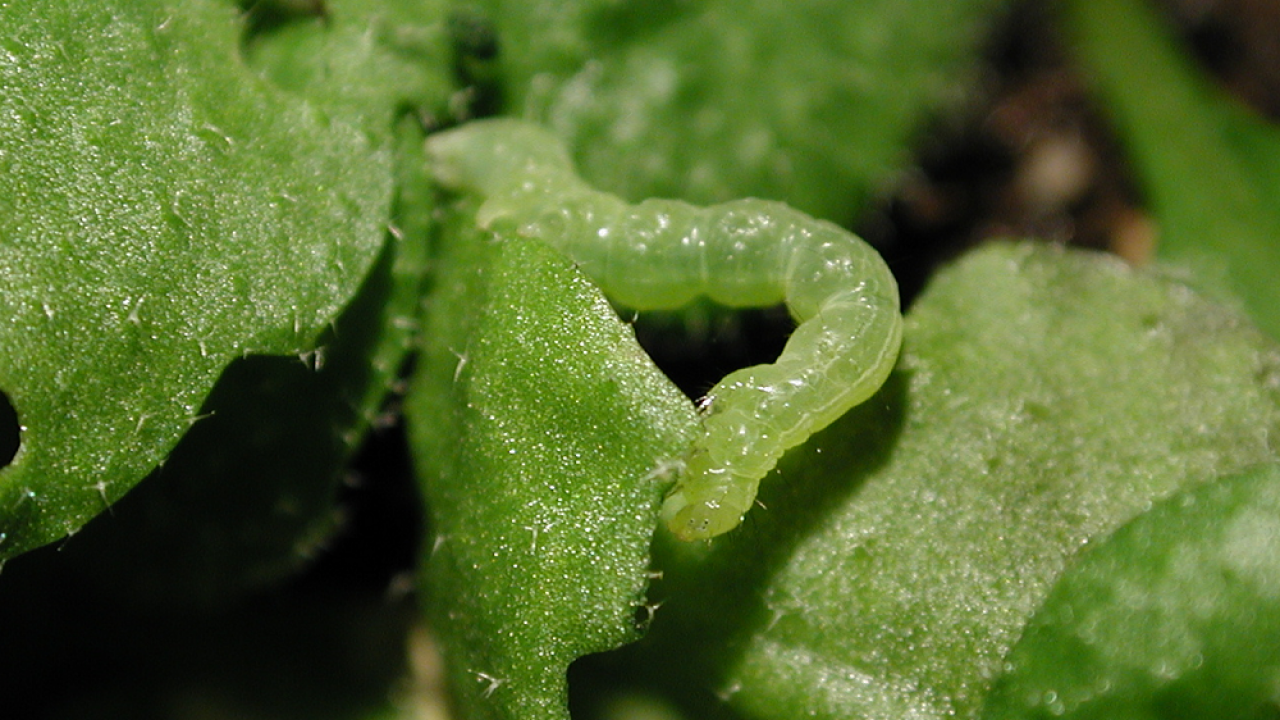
[[813, 102], [1044, 398], [370, 59], [1175, 616], [542, 430], [247, 496], [162, 212]]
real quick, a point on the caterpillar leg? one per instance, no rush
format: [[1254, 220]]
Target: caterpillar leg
[[664, 253]]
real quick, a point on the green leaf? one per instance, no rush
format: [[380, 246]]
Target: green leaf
[[369, 59], [1044, 398], [811, 102], [247, 496], [542, 431], [1209, 167], [1175, 616], [162, 212]]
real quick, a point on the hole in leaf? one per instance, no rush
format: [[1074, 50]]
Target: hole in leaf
[[10, 431]]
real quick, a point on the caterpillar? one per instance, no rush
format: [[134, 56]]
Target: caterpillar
[[662, 254]]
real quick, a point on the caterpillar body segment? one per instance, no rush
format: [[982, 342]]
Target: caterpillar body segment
[[662, 254]]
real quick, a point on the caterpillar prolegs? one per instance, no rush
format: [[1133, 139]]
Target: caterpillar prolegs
[[662, 254]]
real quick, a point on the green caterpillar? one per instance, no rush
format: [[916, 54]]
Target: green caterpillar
[[661, 254]]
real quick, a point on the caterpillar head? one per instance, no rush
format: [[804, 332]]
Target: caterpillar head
[[702, 512]]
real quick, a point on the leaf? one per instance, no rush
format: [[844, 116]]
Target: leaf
[[247, 496], [542, 431], [162, 212], [1177, 615], [1044, 398], [369, 59], [1209, 167], [812, 102]]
